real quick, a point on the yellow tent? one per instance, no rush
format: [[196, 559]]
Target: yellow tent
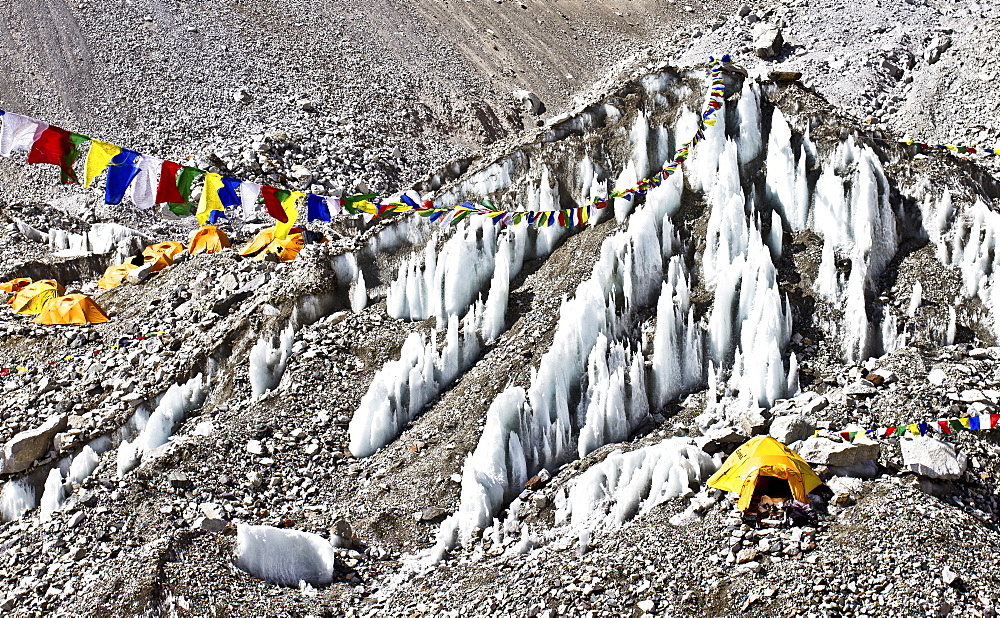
[[14, 285], [207, 239], [158, 260], [114, 275], [286, 249], [72, 309], [169, 248], [259, 242], [761, 457], [35, 297]]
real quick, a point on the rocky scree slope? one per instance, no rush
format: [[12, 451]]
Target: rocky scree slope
[[244, 412]]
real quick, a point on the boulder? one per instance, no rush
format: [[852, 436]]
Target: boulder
[[140, 273], [27, 446], [767, 40], [530, 102], [827, 452], [784, 76], [792, 428], [932, 458], [752, 422]]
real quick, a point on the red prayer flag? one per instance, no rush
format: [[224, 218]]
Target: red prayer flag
[[57, 146], [945, 428], [994, 418], [167, 191], [272, 204]]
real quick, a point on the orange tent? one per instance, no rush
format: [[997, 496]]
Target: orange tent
[[286, 250], [72, 309], [264, 238], [207, 239], [35, 297], [15, 285], [169, 248], [158, 260], [114, 275]]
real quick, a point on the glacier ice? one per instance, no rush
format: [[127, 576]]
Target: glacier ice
[[52, 496], [172, 406], [401, 388], [267, 361], [284, 557], [359, 294], [17, 498], [678, 344], [83, 465], [625, 485]]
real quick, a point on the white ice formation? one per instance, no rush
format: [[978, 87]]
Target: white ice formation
[[52, 496], [401, 388], [626, 485], [17, 498], [268, 359], [284, 557], [155, 430]]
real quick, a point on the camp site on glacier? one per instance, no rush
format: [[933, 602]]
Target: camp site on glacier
[[499, 308]]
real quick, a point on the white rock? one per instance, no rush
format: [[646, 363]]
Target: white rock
[[823, 451], [792, 428], [932, 458], [937, 376]]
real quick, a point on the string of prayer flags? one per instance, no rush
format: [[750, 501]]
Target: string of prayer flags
[[941, 426], [156, 181], [123, 343], [951, 148]]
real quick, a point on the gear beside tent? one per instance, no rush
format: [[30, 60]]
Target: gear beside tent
[[72, 309], [114, 275], [35, 297], [207, 239], [758, 464], [15, 285]]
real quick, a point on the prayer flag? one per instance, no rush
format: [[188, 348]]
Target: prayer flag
[[272, 203], [227, 194], [316, 208], [945, 427], [144, 185], [121, 173], [288, 205], [973, 422], [19, 132], [956, 424], [249, 192], [166, 191], [98, 159], [58, 147], [209, 198]]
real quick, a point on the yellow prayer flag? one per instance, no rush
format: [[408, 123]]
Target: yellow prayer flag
[[209, 198], [281, 229], [965, 422], [914, 429], [98, 159]]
